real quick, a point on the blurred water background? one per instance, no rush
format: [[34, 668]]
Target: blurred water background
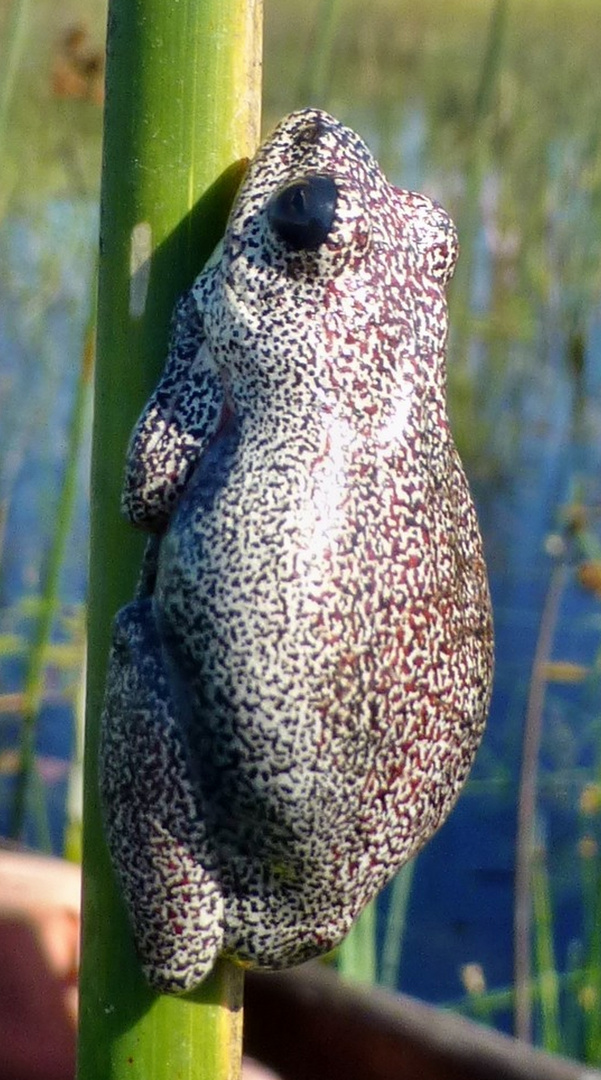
[[495, 110]]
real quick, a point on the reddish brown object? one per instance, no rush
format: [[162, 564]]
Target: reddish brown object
[[78, 70], [309, 1025], [39, 936], [37, 1027]]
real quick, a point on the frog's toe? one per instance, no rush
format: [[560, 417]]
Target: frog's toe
[[179, 941]]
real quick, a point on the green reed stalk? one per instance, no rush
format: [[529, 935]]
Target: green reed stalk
[[527, 804], [316, 74], [477, 157], [13, 47], [396, 922], [545, 953], [590, 989], [356, 957], [182, 116]]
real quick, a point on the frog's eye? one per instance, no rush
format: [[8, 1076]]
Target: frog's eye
[[302, 213]]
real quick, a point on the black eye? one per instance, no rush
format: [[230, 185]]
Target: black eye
[[302, 213]]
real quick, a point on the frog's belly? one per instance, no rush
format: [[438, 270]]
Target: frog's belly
[[333, 697], [244, 586]]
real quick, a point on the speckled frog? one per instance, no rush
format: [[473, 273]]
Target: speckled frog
[[296, 694]]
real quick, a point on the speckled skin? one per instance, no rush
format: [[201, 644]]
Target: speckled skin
[[297, 693]]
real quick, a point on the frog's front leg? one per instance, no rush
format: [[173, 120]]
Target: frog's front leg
[[153, 813], [177, 423]]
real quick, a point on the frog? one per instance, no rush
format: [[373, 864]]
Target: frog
[[297, 691]]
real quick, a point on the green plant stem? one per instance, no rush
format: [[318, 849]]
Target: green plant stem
[[12, 52], [591, 986], [396, 922], [527, 804], [29, 789], [571, 1043], [181, 119], [545, 953], [476, 159], [317, 68], [356, 956]]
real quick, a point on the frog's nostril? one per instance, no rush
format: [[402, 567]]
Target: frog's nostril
[[302, 213]]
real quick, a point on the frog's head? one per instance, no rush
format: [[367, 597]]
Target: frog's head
[[331, 283]]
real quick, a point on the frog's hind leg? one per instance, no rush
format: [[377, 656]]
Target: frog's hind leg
[[153, 816]]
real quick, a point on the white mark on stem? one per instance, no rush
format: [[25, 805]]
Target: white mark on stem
[[139, 268]]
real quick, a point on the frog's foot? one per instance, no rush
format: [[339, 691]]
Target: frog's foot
[[277, 923], [155, 825]]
